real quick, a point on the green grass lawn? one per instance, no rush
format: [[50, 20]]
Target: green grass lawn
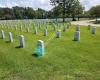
[[64, 58]]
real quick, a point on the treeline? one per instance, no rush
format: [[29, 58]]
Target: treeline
[[29, 13], [22, 13], [57, 12]]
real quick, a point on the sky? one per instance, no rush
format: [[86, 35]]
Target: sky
[[44, 4]]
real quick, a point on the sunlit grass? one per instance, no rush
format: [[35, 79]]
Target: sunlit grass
[[64, 58]]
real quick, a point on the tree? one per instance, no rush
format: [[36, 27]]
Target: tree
[[71, 7], [29, 13], [76, 10], [22, 13], [86, 14], [60, 2], [57, 11], [5, 13], [95, 11], [41, 13], [18, 12]]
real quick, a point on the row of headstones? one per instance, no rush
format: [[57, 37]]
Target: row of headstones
[[35, 32], [25, 23], [45, 30], [58, 32], [39, 26], [10, 38], [18, 23], [40, 44], [92, 29], [77, 32]]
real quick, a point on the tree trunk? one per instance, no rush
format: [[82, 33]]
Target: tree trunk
[[63, 11], [73, 18], [63, 19], [78, 18], [96, 19], [56, 19]]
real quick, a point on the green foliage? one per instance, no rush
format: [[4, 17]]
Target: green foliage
[[76, 9], [41, 13], [22, 13], [73, 8], [57, 11], [95, 11], [30, 13], [5, 13], [86, 14], [18, 12]]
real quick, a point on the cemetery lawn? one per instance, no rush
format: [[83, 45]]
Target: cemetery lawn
[[64, 58]]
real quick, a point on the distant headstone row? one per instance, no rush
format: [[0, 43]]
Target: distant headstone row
[[58, 32]]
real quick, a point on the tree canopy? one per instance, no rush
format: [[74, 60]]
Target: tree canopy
[[95, 11], [22, 13], [68, 8]]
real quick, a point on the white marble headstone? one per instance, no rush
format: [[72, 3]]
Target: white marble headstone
[[54, 27], [47, 27], [45, 32], [2, 34], [22, 43], [20, 28], [93, 30], [76, 35], [35, 31], [89, 27], [10, 39], [27, 29], [40, 45], [58, 34], [77, 27], [15, 27], [64, 30], [69, 25], [39, 25]]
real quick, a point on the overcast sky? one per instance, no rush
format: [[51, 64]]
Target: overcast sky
[[45, 4]]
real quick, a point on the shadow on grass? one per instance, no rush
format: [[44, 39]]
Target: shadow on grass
[[75, 40], [35, 55], [7, 41], [18, 47]]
